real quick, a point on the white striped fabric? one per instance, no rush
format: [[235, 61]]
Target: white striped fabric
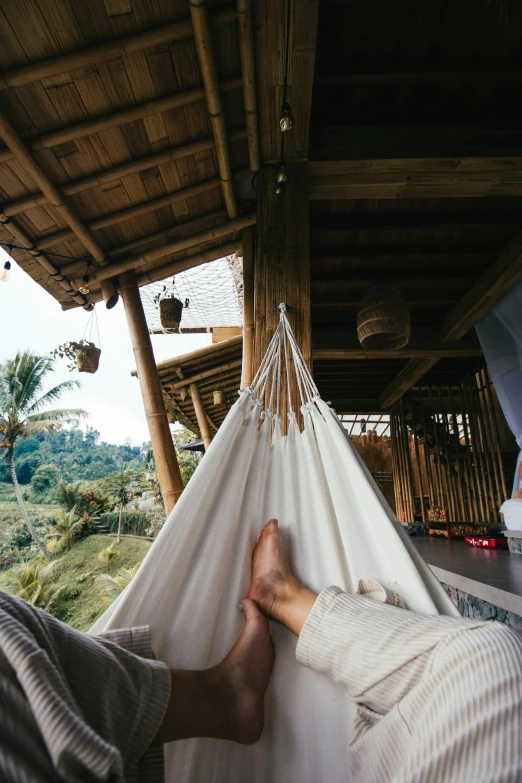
[[75, 707], [439, 699]]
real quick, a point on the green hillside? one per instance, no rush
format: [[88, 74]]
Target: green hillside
[[79, 603]]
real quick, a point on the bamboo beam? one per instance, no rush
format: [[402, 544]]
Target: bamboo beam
[[207, 65], [169, 475], [201, 375], [248, 307], [490, 288], [135, 211], [33, 170], [22, 238], [149, 256], [248, 72], [177, 31], [432, 349], [201, 415], [408, 377], [192, 260], [167, 155], [208, 350]]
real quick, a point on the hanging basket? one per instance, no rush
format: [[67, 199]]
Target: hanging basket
[[383, 320], [88, 358], [170, 312], [219, 397]]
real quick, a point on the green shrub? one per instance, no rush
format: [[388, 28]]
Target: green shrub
[[135, 523], [44, 482]]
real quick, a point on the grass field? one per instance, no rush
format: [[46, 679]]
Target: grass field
[[80, 604], [9, 511]]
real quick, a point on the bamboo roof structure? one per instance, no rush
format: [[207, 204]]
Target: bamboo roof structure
[[124, 129], [132, 132], [216, 367]]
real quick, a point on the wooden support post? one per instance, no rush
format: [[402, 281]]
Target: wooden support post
[[248, 71], [282, 265], [248, 307], [169, 475], [201, 415]]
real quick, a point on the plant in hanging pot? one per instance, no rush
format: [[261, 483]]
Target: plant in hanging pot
[[170, 307], [82, 355]]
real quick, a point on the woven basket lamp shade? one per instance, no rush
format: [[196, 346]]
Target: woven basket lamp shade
[[383, 320]]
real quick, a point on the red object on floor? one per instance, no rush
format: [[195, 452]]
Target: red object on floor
[[487, 543]]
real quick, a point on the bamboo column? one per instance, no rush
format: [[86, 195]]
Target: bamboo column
[[248, 72], [248, 307], [169, 475], [282, 265], [201, 415]]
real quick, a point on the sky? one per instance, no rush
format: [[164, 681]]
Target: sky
[[30, 318]]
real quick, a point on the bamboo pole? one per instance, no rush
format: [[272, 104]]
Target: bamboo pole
[[169, 475], [490, 391], [474, 464], [401, 471], [425, 449], [106, 176], [443, 501], [449, 472], [207, 65], [419, 471], [248, 307], [205, 374], [33, 170], [468, 464], [248, 72], [192, 260], [177, 31], [478, 446], [496, 458], [22, 239], [409, 471], [201, 415], [135, 211], [149, 256], [461, 463]]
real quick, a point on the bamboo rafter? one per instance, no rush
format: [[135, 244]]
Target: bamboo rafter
[[117, 172], [149, 256], [114, 119], [248, 71], [55, 66], [33, 170], [207, 65]]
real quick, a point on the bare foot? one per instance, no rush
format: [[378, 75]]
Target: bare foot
[[241, 679], [273, 583]]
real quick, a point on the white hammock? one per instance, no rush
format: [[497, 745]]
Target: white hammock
[[337, 528]]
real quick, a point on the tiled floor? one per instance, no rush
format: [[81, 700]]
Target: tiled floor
[[499, 569]]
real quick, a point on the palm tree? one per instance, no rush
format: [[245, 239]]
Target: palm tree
[[65, 529], [23, 412], [123, 487], [113, 586]]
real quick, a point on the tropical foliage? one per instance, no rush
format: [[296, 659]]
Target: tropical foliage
[[66, 529], [108, 554], [24, 411], [32, 581], [124, 487], [112, 586]]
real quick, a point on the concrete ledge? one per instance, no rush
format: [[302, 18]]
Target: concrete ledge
[[494, 595]]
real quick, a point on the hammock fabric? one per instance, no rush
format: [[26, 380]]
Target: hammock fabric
[[337, 528]]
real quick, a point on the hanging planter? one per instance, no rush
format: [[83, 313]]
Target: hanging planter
[[83, 356], [219, 397], [171, 310], [383, 320]]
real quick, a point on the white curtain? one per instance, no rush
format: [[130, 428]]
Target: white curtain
[[500, 335]]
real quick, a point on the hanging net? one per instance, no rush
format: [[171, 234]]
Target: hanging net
[[337, 529], [214, 293]]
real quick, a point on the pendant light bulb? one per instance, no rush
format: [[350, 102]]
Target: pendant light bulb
[[84, 288], [5, 274], [282, 172], [286, 120]]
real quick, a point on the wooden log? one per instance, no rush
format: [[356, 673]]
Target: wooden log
[[408, 377], [282, 267], [33, 170], [222, 368], [123, 170], [204, 48], [135, 211], [169, 475], [248, 72], [149, 256], [201, 415], [248, 307], [22, 239], [498, 280], [177, 31]]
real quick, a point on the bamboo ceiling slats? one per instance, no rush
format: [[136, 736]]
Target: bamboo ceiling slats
[[111, 105]]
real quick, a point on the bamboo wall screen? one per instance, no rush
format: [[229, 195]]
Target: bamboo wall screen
[[446, 451]]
